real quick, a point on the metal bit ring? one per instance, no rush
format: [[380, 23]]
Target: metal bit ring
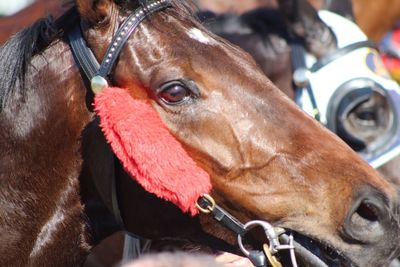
[[270, 232]]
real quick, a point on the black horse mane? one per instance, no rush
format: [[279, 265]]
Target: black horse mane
[[17, 53]]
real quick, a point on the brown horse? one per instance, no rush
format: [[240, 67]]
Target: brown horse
[[267, 159]]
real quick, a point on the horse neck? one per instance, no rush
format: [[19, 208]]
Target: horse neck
[[42, 215]]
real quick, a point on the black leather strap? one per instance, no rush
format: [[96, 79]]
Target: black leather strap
[[228, 220], [125, 30], [224, 217], [298, 55], [299, 62], [84, 57]]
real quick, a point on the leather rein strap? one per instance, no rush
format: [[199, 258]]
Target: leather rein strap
[[91, 68]]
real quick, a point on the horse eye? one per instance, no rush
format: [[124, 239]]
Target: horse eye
[[174, 93], [366, 115]]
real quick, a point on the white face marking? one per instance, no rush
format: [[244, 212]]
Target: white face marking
[[199, 36]]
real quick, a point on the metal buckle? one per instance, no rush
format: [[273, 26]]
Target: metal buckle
[[211, 205]]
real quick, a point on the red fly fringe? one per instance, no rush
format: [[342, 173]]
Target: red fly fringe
[[148, 151]]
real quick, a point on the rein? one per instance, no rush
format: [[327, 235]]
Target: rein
[[98, 75]]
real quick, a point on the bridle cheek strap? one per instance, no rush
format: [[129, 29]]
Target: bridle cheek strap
[[147, 150]]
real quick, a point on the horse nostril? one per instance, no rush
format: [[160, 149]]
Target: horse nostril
[[366, 221], [367, 211]]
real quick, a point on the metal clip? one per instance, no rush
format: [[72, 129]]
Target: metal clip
[[274, 246], [270, 232]]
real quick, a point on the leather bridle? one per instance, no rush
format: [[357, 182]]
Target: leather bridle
[[97, 75]]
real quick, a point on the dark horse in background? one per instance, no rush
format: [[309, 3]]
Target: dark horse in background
[[265, 33], [266, 158], [375, 18]]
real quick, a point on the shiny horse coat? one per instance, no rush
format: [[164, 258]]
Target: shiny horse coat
[[267, 159]]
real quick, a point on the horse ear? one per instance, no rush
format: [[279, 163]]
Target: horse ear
[[303, 20], [94, 11]]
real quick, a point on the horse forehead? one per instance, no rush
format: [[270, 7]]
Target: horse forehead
[[200, 36]]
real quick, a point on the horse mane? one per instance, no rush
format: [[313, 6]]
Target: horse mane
[[17, 53]]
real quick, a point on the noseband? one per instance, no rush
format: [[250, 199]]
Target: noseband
[[97, 75]]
